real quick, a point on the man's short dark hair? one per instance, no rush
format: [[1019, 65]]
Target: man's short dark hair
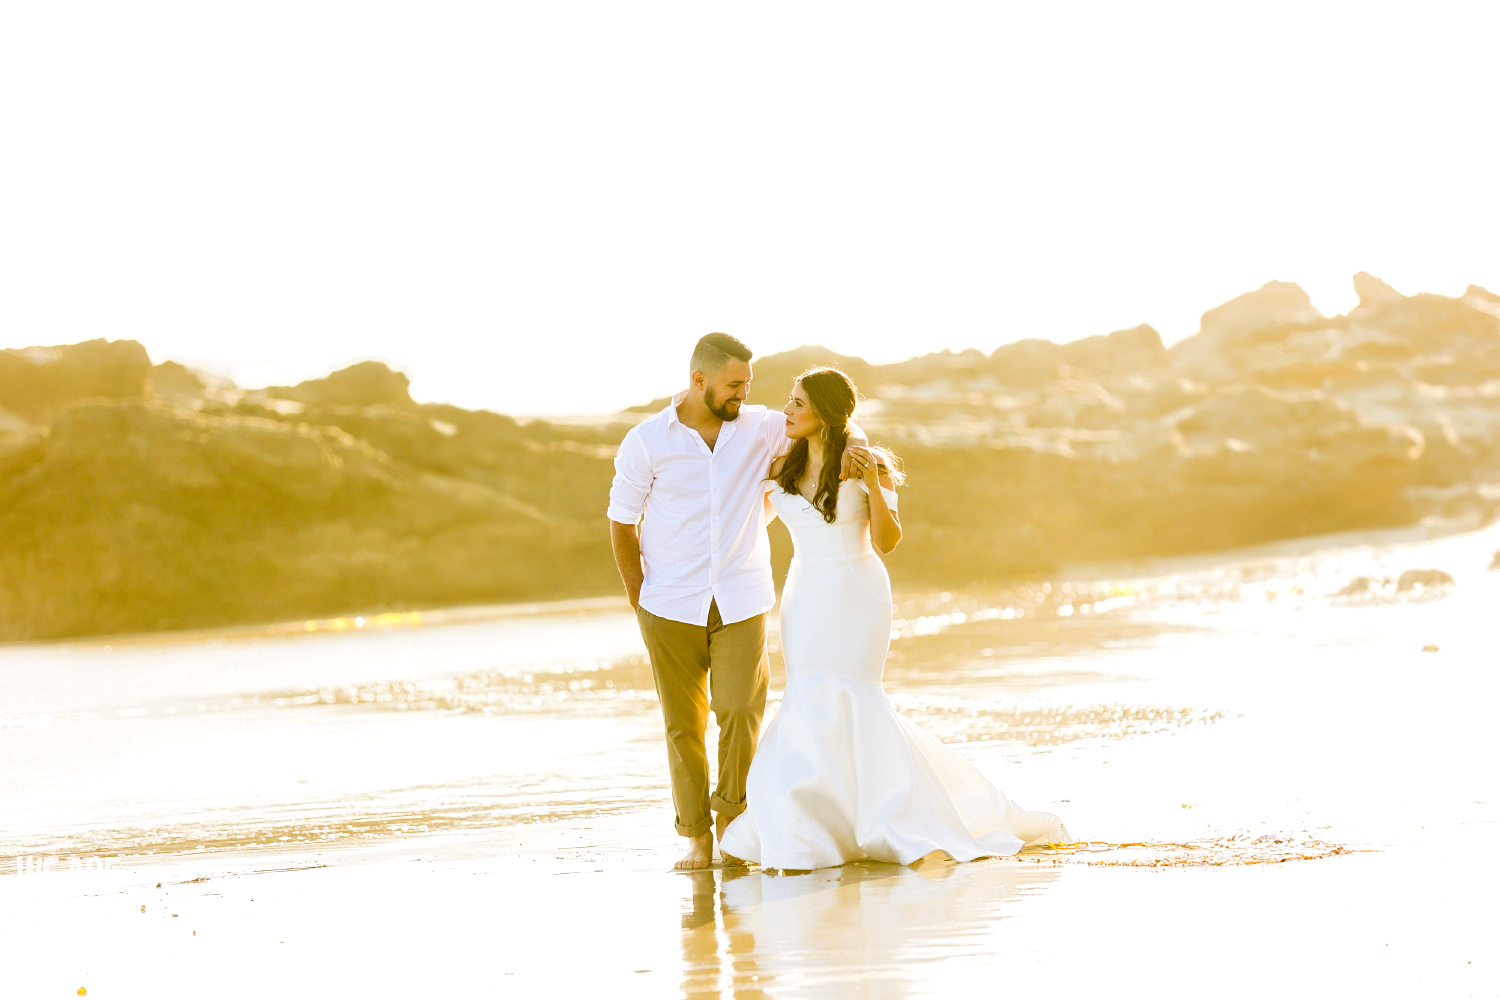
[[714, 351]]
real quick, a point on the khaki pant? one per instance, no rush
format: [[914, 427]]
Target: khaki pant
[[688, 660]]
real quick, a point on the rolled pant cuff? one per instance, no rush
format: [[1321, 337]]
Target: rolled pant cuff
[[698, 829], [729, 809]]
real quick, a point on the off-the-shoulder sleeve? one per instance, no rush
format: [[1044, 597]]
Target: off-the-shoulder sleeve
[[633, 479], [890, 495]]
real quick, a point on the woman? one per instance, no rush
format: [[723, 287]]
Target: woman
[[840, 775]]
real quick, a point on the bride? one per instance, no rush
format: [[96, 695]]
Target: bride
[[840, 775]]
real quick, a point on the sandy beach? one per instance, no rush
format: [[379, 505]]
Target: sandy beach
[[1277, 761]]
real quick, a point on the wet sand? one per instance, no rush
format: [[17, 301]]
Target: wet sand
[[407, 809]]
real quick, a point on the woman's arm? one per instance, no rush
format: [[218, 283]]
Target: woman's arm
[[885, 526]]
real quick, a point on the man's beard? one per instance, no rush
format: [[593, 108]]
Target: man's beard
[[721, 409]]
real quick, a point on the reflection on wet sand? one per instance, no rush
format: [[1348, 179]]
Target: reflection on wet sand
[[865, 929], [590, 687], [1214, 721]]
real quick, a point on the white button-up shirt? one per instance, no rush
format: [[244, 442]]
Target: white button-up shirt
[[703, 535]]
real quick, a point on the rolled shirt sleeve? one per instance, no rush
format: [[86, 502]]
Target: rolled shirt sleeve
[[773, 431], [632, 483]]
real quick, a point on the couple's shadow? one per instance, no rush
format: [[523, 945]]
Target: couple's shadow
[[863, 929]]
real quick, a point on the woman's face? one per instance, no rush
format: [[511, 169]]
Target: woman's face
[[801, 421]]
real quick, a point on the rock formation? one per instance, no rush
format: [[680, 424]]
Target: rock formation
[[1373, 292], [141, 513], [368, 383], [37, 381], [1244, 327], [137, 498]]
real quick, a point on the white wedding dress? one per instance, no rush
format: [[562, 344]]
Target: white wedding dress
[[839, 774]]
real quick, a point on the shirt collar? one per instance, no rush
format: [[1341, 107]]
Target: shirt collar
[[672, 418], [672, 406]]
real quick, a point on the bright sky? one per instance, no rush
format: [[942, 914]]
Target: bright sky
[[539, 207]]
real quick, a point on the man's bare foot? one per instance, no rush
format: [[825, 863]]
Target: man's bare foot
[[700, 854]]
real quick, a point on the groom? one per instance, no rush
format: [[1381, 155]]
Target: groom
[[688, 518]]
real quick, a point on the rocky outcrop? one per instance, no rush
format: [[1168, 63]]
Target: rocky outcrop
[[1136, 351], [1033, 363], [368, 383], [137, 514], [1022, 364], [137, 498], [1272, 416], [1273, 305], [126, 444], [179, 383], [1417, 579], [775, 373], [36, 382], [1482, 298], [1071, 474], [1264, 434], [1026, 363], [1243, 330], [1373, 292]]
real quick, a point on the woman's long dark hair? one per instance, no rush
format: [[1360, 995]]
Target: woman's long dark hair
[[833, 396]]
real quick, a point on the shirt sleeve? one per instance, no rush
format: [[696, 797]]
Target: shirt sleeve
[[773, 432], [632, 483]]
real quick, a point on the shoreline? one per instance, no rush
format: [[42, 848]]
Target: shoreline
[[449, 615], [1428, 529]]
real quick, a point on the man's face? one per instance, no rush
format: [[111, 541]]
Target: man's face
[[727, 391]]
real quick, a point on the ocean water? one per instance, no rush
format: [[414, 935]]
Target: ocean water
[[1285, 659]]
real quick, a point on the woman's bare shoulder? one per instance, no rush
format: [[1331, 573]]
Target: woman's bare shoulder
[[776, 465]]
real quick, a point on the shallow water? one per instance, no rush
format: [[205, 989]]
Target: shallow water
[[1219, 713]]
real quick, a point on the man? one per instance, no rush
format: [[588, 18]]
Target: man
[[688, 521]]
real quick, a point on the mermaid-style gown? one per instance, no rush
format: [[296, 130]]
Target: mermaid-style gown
[[839, 774]]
